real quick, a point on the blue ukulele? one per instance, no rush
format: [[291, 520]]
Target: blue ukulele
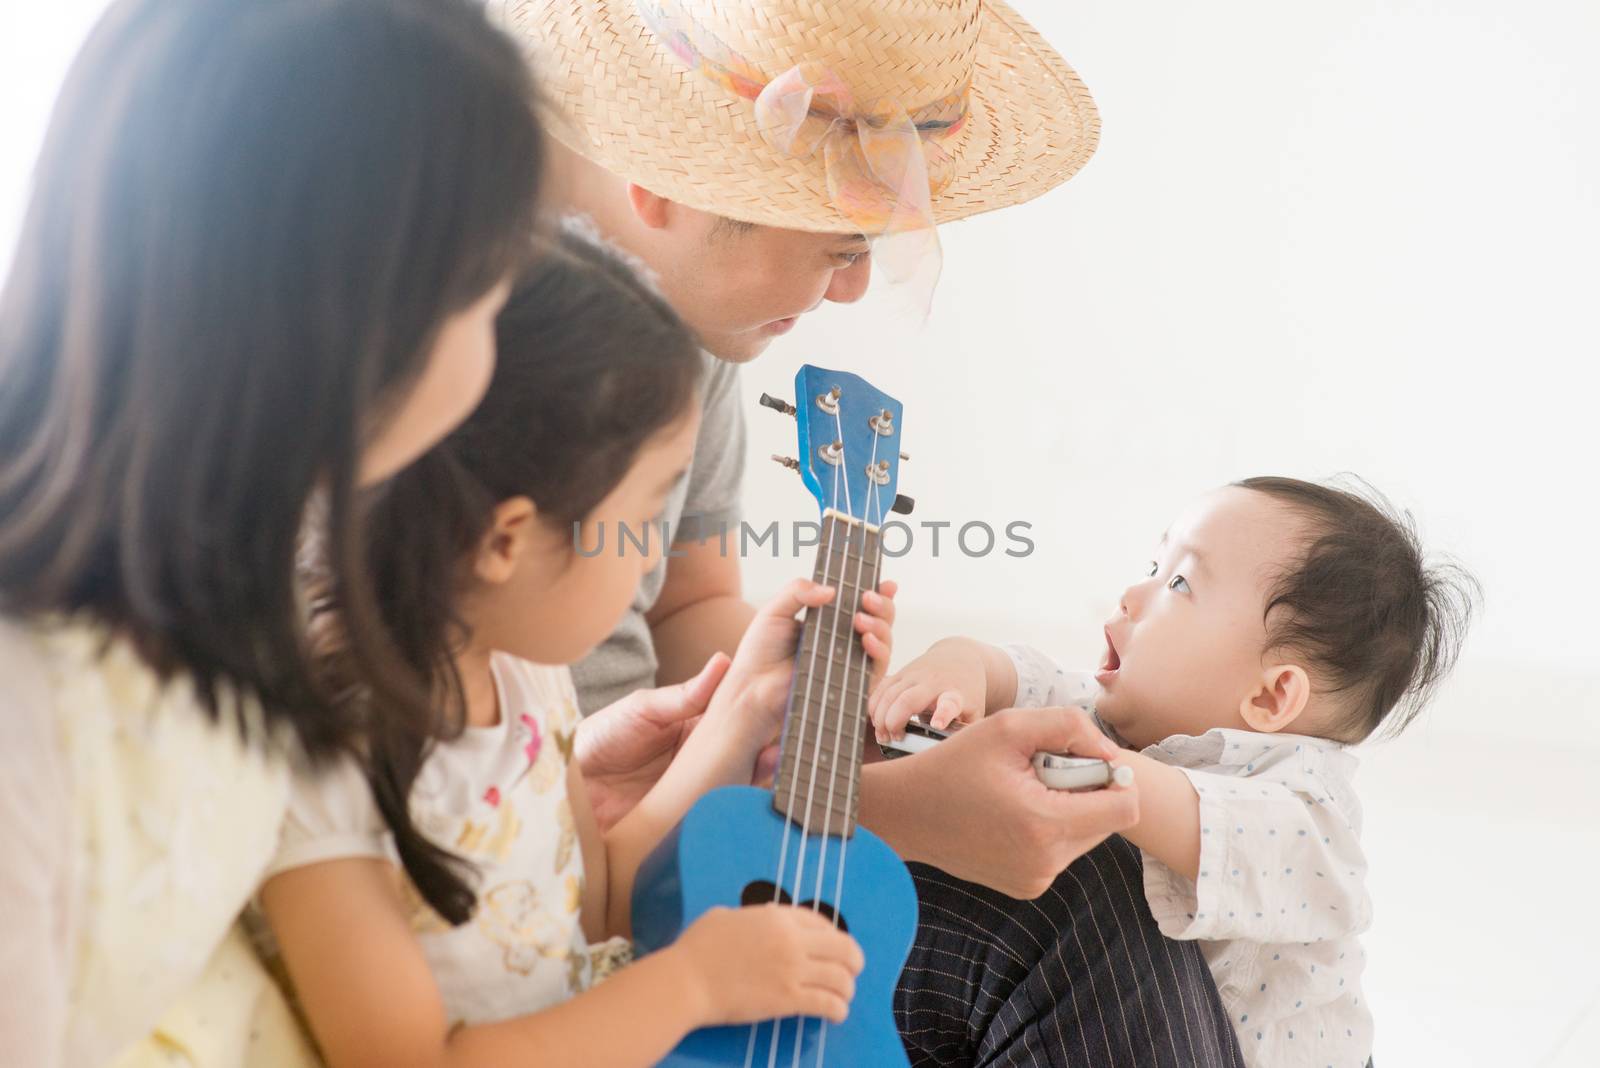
[[798, 842]]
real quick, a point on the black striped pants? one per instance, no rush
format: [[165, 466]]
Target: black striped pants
[[1080, 978]]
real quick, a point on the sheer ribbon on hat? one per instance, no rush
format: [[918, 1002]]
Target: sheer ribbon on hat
[[883, 163]]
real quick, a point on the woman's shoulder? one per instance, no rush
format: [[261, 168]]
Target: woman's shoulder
[[34, 784], [82, 673], [161, 817], [26, 682], [66, 679], [136, 753], [115, 722], [61, 659]]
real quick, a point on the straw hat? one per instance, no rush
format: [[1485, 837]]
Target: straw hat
[[633, 102]]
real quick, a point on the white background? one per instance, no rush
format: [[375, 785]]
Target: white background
[[1316, 238]]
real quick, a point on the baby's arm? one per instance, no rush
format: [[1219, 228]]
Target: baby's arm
[[373, 1003], [1169, 814], [1247, 857], [959, 678]]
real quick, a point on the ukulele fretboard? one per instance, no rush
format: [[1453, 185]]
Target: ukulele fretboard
[[818, 783]]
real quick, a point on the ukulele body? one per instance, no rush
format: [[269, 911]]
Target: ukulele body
[[730, 841]]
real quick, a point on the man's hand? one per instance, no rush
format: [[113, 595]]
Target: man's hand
[[623, 748], [973, 806]]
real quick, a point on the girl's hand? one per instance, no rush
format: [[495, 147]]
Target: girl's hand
[[754, 693], [767, 962], [949, 678], [875, 624]]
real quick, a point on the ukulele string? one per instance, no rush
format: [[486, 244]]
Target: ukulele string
[[827, 676], [838, 737], [794, 783]]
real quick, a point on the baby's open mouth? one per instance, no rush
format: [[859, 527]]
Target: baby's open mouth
[[1111, 661]]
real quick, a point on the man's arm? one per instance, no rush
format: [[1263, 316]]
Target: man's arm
[[701, 610]]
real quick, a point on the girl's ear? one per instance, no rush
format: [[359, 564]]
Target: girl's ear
[[1278, 701], [506, 540]]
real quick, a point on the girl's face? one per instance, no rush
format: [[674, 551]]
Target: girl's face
[[1186, 646], [451, 384], [541, 598]]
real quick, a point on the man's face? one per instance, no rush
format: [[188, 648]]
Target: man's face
[[739, 286]]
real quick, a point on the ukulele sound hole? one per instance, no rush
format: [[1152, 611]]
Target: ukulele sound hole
[[763, 892]]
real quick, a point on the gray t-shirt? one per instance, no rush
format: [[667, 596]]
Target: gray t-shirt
[[699, 509]]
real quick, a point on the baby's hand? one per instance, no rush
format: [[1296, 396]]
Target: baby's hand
[[949, 678], [766, 962]]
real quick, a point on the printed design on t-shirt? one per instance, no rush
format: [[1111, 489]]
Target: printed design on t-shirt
[[579, 968], [574, 889], [532, 744], [547, 765], [493, 839], [569, 834], [513, 917]]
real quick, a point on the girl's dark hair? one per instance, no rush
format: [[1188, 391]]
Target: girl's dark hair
[[591, 365], [248, 221], [1378, 622]]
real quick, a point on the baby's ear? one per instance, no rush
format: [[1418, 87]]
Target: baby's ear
[[505, 541], [1278, 701]]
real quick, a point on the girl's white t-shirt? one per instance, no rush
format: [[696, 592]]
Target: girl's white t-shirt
[[496, 796]]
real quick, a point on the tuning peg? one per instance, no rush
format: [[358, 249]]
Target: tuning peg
[[777, 405], [786, 461], [902, 504], [905, 456]]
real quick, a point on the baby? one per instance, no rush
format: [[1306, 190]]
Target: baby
[[1280, 623]]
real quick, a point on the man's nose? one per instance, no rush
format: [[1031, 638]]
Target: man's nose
[[849, 284]]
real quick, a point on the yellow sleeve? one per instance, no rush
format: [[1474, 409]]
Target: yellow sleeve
[[233, 1016]]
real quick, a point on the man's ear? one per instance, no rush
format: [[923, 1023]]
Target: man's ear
[[1283, 694], [652, 210], [506, 540]]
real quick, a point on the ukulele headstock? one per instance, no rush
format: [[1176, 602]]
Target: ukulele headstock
[[847, 434]]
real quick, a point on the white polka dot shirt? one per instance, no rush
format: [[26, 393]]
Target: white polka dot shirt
[[1281, 893]]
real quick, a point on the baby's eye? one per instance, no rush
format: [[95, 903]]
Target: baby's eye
[[1179, 583], [1153, 569]]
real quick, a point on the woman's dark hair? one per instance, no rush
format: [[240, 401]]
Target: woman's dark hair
[[592, 364], [1379, 623], [248, 222]]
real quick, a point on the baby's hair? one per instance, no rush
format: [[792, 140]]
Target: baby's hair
[[1381, 624], [591, 365]]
